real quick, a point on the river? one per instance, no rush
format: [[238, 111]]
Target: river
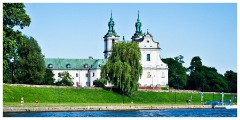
[[137, 113]]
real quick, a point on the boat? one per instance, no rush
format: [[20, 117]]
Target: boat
[[231, 106], [225, 106]]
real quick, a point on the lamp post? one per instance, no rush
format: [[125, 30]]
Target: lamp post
[[152, 81], [58, 93], [123, 94], [213, 92], [11, 62], [109, 82]]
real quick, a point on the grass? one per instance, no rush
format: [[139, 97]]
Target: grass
[[91, 97]]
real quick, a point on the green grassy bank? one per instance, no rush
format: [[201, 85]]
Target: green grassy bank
[[74, 96]]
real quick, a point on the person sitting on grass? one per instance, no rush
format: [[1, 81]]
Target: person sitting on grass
[[36, 102], [188, 101], [22, 101]]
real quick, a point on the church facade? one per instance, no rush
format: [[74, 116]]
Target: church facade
[[85, 71]]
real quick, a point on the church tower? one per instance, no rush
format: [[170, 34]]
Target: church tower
[[138, 35], [110, 38]]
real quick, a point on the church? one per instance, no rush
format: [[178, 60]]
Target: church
[[85, 71]]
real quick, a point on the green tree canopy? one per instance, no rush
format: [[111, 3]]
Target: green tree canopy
[[65, 79], [123, 67], [30, 67], [14, 15], [49, 77], [231, 78], [205, 78], [177, 77]]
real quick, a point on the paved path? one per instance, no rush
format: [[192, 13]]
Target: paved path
[[94, 108]]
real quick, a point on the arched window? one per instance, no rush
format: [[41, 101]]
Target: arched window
[[68, 66], [50, 65], [85, 66]]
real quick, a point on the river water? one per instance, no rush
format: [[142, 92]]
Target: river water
[[137, 113]]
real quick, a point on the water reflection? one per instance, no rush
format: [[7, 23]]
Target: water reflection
[[137, 113]]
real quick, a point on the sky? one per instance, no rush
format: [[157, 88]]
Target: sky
[[76, 30]]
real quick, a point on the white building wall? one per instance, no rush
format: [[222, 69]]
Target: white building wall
[[94, 75], [155, 72], [82, 78], [108, 45]]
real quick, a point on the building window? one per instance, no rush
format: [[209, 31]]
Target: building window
[[86, 74], [86, 66], [68, 66], [163, 75], [148, 75], [148, 57], [50, 66], [148, 41], [113, 41], [93, 74], [76, 74]]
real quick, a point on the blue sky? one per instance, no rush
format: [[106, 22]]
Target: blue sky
[[76, 30]]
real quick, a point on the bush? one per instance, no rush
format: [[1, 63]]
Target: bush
[[164, 88], [100, 83]]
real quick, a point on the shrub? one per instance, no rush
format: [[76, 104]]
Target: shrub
[[100, 83]]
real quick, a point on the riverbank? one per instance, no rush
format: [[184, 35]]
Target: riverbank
[[100, 108]]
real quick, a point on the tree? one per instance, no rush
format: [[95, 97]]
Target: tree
[[177, 76], [231, 78], [205, 78], [30, 67], [14, 15], [196, 64], [123, 67], [49, 77], [65, 79]]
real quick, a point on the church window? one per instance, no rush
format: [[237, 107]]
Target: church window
[[148, 57], [86, 74], [148, 41], [76, 74], [93, 74], [148, 75], [163, 75], [113, 41]]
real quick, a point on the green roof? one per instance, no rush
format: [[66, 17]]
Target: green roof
[[73, 64]]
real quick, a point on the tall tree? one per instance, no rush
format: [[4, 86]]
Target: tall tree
[[30, 67], [205, 78], [177, 76], [49, 77], [214, 81], [123, 67], [231, 78], [14, 15]]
